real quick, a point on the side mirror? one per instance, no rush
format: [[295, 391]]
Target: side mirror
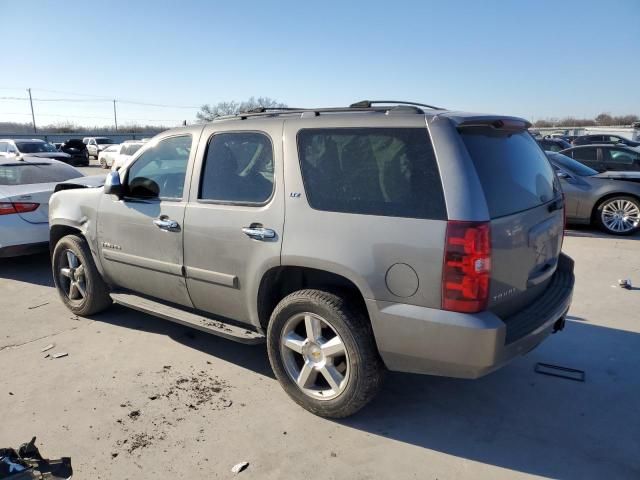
[[113, 185]]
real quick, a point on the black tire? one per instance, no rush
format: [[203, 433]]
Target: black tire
[[366, 369], [96, 298], [599, 209]]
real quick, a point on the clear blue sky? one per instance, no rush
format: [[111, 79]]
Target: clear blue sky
[[536, 59]]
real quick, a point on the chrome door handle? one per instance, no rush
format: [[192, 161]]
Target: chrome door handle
[[165, 223], [259, 232]]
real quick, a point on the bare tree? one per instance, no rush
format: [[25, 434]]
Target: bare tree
[[209, 112]]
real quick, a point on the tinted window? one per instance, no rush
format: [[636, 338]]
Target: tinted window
[[25, 173], [35, 147], [161, 170], [586, 154], [373, 171], [514, 172], [624, 157], [3, 147], [105, 141], [570, 165], [238, 168]]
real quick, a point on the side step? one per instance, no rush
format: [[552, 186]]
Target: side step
[[199, 322]]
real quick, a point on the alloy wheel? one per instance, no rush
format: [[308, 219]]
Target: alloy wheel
[[314, 356], [620, 215], [72, 276]]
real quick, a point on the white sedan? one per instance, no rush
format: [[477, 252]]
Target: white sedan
[[25, 188], [107, 156]]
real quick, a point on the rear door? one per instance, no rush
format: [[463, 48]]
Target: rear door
[[234, 221], [525, 205], [589, 157]]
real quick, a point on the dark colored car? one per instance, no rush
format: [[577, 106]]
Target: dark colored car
[[78, 151], [606, 157], [604, 140], [611, 200], [553, 144]]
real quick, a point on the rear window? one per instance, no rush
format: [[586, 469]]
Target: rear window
[[514, 172], [372, 171], [130, 149], [23, 174]]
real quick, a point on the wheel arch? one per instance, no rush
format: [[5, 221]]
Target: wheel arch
[[280, 281], [56, 232]]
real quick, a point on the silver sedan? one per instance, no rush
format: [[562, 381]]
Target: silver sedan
[[610, 200]]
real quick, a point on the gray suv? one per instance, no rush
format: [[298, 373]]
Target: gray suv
[[349, 239]]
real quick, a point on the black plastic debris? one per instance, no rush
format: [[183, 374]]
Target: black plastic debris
[[558, 371], [28, 464]]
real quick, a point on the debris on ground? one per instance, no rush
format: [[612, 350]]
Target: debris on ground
[[239, 467], [624, 283], [28, 464], [48, 347], [39, 305], [559, 371], [60, 355], [134, 414]]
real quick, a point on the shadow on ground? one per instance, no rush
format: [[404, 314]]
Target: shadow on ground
[[519, 420], [590, 232], [35, 269]]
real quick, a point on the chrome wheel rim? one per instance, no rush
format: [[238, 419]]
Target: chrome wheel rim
[[72, 276], [620, 215], [314, 356]]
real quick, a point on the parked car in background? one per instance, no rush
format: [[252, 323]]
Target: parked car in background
[[553, 144], [126, 152], [25, 188], [96, 144], [606, 157], [348, 239], [78, 151], [17, 148], [610, 200], [603, 139], [107, 156]]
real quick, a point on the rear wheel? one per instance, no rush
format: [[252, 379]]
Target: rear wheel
[[79, 283], [619, 215], [323, 353]]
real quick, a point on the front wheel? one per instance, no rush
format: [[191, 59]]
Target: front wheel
[[79, 283], [619, 215], [323, 353]]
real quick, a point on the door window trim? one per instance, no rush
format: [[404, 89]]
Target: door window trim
[[185, 192], [231, 202]]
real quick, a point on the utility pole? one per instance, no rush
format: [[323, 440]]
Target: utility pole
[[33, 117], [115, 115]]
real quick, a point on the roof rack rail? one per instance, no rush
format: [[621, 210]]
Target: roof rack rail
[[266, 109], [370, 103]]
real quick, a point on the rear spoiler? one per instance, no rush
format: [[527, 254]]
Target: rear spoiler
[[506, 124]]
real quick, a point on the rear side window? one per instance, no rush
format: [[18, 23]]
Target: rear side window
[[24, 174], [372, 171], [514, 172], [586, 154], [238, 168]]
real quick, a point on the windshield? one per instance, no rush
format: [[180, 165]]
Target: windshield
[[105, 141], [571, 165], [35, 147], [29, 173]]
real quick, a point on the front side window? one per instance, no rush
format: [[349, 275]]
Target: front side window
[[160, 171], [105, 141], [238, 168], [372, 171], [623, 157]]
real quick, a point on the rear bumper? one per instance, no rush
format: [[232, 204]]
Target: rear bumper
[[18, 237], [437, 342]]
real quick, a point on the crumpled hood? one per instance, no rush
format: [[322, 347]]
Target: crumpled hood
[[93, 181], [54, 155]]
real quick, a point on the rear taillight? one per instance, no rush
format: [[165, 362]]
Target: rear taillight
[[8, 208], [467, 267]]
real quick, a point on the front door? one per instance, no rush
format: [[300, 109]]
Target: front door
[[234, 219], [140, 236]]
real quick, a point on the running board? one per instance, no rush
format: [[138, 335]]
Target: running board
[[199, 322]]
